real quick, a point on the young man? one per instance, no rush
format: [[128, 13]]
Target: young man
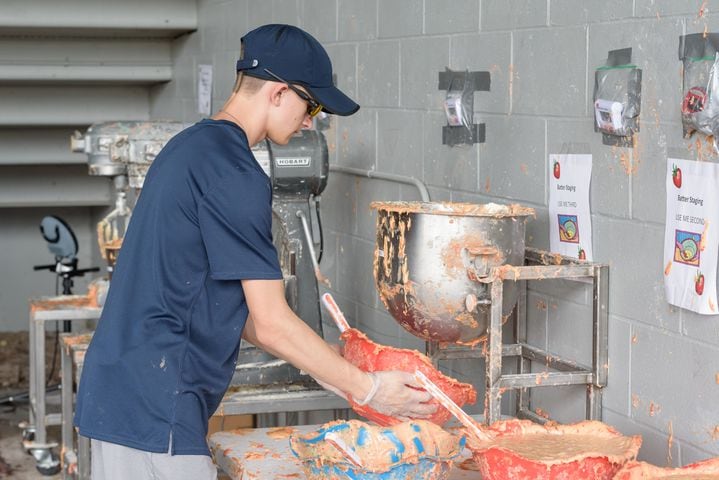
[[198, 270]]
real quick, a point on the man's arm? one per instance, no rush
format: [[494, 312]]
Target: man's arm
[[274, 327]]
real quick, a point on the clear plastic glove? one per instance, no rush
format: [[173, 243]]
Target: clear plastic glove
[[397, 394]]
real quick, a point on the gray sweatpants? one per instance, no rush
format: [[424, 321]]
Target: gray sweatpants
[[116, 462]]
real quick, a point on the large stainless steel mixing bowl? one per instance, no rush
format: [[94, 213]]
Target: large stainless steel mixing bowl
[[428, 256]]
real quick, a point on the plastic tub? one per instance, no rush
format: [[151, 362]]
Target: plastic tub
[[523, 450], [406, 451]]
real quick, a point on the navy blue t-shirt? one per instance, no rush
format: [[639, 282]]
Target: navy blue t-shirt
[[166, 345]]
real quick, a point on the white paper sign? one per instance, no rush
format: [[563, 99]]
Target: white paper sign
[[570, 219], [690, 237], [204, 89]]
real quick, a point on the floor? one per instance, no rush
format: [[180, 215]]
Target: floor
[[15, 463]]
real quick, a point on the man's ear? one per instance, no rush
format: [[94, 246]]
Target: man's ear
[[276, 92]]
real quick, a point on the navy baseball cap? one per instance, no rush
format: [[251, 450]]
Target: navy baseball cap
[[297, 57]]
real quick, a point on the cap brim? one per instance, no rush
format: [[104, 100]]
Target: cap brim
[[333, 100]]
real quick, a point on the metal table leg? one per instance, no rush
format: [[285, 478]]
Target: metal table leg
[[69, 460], [493, 359]]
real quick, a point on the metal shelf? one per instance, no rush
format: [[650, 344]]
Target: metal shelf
[[542, 266]]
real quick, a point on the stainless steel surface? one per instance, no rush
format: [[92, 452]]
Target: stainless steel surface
[[429, 256], [124, 148]]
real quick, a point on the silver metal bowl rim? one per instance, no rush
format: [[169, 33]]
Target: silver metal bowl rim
[[460, 209]]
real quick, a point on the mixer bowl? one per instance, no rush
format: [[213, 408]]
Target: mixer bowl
[[429, 255], [523, 450]]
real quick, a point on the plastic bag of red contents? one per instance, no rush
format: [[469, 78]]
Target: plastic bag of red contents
[[372, 357]]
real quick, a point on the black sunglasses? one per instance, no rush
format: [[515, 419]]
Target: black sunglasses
[[313, 108]]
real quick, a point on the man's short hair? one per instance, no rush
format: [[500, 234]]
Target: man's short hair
[[247, 84]]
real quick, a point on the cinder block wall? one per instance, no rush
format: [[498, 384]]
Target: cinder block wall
[[541, 54]]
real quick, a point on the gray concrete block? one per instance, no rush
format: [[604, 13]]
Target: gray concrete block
[[163, 103], [537, 234], [378, 325], [367, 191], [649, 179], [259, 13], [378, 74], [217, 21], [562, 404], [512, 169], [617, 393], [410, 11], [699, 327], [422, 60], [537, 311], [338, 202], [572, 12], [485, 52], [654, 49], [674, 380], [464, 197], [410, 193], [286, 11], [319, 18], [237, 24], [708, 22], [690, 454], [223, 78], [330, 134], [457, 167], [186, 45], [356, 140], [357, 20], [575, 292], [513, 14], [655, 445], [189, 110], [663, 8], [610, 191], [550, 85], [400, 143], [330, 258], [184, 73], [454, 17], [344, 61], [634, 257], [354, 270], [569, 331], [409, 341]]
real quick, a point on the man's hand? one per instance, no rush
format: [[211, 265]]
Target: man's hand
[[399, 395]]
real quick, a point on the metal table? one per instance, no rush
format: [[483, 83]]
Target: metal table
[[44, 311], [264, 453]]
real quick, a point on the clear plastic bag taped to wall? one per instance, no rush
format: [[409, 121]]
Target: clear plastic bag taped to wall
[[617, 95], [700, 85], [459, 104]]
